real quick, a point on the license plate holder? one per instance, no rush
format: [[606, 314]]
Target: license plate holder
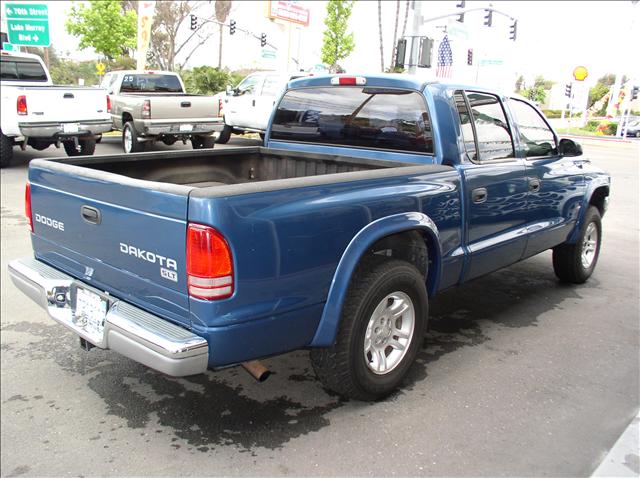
[[90, 313], [70, 127]]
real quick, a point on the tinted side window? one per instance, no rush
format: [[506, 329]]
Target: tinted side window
[[248, 85], [356, 117], [22, 70], [492, 129], [8, 70], [151, 83], [466, 125], [536, 137]]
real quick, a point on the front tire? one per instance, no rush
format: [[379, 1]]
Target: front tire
[[225, 135], [130, 143], [6, 150], [382, 326], [86, 147], [575, 263]]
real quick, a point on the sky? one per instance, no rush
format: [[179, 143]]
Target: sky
[[553, 38]]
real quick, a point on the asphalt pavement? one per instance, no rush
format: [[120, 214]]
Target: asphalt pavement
[[519, 375]]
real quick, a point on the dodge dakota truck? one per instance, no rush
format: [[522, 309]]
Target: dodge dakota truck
[[372, 195], [36, 113], [154, 106]]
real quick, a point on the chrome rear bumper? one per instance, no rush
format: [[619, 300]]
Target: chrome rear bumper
[[128, 330]]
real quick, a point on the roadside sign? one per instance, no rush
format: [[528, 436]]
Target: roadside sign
[[100, 68], [28, 23], [268, 53], [9, 47], [580, 73]]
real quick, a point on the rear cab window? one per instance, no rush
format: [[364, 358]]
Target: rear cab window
[[357, 117], [150, 83], [22, 69]]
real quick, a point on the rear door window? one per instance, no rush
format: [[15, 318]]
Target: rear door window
[[376, 118], [18, 69], [491, 126]]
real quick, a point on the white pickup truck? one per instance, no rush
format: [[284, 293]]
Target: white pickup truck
[[34, 112]]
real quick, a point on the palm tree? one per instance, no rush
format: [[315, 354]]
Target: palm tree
[[395, 36], [222, 7], [380, 30]]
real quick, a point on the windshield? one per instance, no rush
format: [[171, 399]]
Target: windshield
[[18, 69], [151, 83], [377, 118]]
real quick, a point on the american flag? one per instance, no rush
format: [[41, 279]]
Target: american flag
[[445, 59]]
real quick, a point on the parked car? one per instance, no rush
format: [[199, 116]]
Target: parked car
[[248, 106], [36, 113], [372, 195], [633, 128], [154, 106]]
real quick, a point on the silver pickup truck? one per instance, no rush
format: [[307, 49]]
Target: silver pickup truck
[[150, 106]]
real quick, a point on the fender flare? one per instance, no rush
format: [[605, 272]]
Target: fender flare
[[596, 183], [374, 231]]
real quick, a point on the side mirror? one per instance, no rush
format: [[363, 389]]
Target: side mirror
[[231, 91], [569, 147]]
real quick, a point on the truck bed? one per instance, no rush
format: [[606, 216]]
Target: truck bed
[[203, 169]]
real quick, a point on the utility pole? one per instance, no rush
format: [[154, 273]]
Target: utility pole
[[415, 30]]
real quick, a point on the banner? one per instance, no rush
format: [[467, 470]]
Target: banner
[[145, 20]]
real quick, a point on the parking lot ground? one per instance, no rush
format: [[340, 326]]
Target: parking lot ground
[[519, 375]]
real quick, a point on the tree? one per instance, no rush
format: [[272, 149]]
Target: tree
[[104, 26], [222, 9], [535, 93], [206, 80], [164, 46], [337, 43], [597, 93], [380, 33], [395, 35]]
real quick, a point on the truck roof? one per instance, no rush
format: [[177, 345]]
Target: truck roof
[[14, 54]]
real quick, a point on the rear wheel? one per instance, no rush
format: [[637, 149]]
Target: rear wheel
[[381, 330], [225, 135], [6, 150], [202, 142], [130, 143], [86, 147], [576, 262]]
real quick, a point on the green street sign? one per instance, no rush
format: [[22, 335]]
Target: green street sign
[[9, 47], [28, 32], [32, 11], [28, 23]]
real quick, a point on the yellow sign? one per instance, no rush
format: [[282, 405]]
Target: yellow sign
[[100, 68], [146, 9], [580, 73]]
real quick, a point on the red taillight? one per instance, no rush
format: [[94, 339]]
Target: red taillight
[[348, 80], [108, 104], [220, 107], [27, 205], [209, 263], [146, 109], [21, 107]]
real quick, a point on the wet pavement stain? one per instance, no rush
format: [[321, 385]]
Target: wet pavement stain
[[201, 413]]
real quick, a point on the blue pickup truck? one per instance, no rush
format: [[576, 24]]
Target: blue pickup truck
[[372, 195]]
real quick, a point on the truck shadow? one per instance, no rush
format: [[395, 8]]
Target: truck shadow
[[228, 408]]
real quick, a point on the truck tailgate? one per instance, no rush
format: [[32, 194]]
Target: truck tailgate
[[64, 104], [183, 107], [124, 236]]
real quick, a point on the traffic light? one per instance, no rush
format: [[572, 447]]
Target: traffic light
[[634, 93], [469, 56], [461, 5], [488, 18], [567, 90], [514, 31], [401, 51], [194, 22], [263, 39], [232, 27], [426, 47]]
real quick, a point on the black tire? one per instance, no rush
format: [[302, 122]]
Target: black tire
[[86, 147], [225, 135], [203, 142], [135, 146], [567, 258], [6, 150], [169, 140], [343, 368]]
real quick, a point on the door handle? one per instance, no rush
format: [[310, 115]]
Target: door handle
[[253, 103], [185, 104], [91, 215], [534, 185], [479, 195]]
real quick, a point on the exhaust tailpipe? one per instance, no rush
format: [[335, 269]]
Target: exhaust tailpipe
[[257, 370]]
